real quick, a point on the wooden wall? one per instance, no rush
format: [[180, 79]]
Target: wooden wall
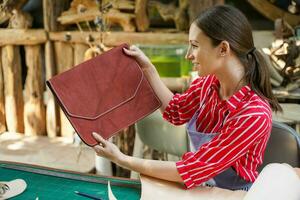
[[26, 104], [40, 112]]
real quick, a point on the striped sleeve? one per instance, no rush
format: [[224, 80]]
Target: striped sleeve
[[233, 142], [182, 106]]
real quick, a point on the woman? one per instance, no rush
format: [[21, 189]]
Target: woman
[[227, 109]]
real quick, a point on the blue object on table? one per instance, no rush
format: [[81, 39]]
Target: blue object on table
[[87, 195]]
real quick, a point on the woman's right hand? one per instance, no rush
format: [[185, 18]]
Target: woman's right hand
[[139, 56], [107, 149]]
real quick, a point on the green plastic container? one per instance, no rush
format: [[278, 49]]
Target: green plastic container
[[168, 59]]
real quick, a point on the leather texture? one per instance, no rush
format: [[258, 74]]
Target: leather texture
[[104, 94]]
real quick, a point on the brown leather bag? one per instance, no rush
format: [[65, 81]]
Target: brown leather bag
[[104, 94]]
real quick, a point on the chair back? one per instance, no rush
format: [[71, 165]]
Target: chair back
[[283, 146], [161, 135]]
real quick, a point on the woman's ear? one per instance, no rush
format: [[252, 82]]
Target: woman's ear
[[224, 48]]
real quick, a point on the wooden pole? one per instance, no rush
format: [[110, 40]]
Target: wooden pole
[[79, 50], [64, 61], [273, 12], [34, 109], [52, 117], [2, 99], [141, 17], [125, 141], [8, 7], [113, 16], [52, 121], [117, 38], [175, 13], [22, 36], [13, 88], [51, 10]]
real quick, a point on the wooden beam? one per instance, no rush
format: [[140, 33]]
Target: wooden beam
[[9, 6], [72, 18], [2, 100], [52, 116], [273, 12], [79, 51], [51, 10], [64, 61], [127, 5], [117, 38], [49, 23], [172, 12], [124, 5], [141, 17], [34, 109], [113, 16], [125, 20], [22, 36], [11, 61]]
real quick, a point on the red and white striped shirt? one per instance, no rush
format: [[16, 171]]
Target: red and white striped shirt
[[243, 122]]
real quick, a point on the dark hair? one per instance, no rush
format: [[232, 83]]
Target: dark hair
[[226, 23]]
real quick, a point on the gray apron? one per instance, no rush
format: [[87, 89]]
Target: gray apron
[[228, 179]]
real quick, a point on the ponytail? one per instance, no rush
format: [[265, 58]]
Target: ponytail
[[258, 76]]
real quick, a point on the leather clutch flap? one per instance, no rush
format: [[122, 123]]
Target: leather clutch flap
[[104, 94]]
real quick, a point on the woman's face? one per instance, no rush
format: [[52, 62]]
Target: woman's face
[[201, 52]]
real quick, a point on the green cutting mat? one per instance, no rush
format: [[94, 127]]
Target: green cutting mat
[[59, 188]]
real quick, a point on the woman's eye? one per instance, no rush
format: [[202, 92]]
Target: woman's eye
[[194, 46]]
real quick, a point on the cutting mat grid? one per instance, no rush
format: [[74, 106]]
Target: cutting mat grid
[[51, 187]]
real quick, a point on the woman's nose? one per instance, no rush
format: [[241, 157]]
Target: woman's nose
[[188, 56]]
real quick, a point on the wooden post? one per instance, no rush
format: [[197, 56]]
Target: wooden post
[[13, 88], [51, 9], [52, 117], [125, 141], [6, 13], [34, 109], [172, 12], [22, 36], [113, 16], [79, 50], [272, 12], [141, 18], [64, 61], [2, 97], [117, 38]]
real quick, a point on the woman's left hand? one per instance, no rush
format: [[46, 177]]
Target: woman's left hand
[[107, 149]]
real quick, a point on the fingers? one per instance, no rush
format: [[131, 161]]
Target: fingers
[[129, 52], [99, 150], [133, 47], [100, 139], [132, 51]]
